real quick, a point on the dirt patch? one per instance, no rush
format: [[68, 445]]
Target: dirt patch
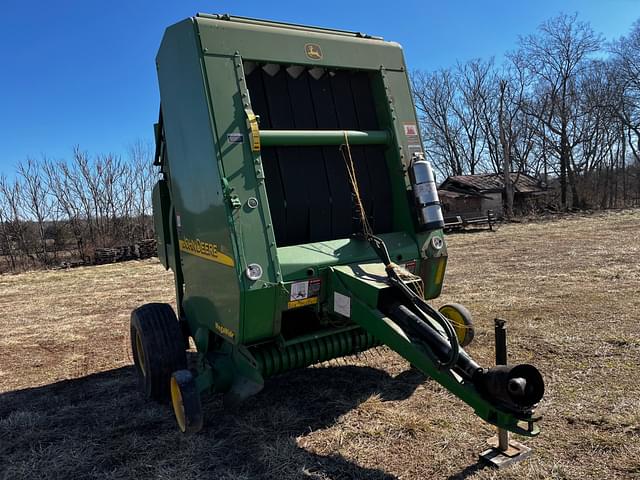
[[69, 406]]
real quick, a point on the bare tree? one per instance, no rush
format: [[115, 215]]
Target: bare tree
[[16, 222], [35, 202], [472, 82], [435, 97], [554, 58], [66, 205], [625, 63], [143, 174], [6, 243], [505, 120], [554, 111]]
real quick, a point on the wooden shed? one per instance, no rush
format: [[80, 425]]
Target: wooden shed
[[466, 195]]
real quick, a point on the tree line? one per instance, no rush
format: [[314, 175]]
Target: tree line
[[53, 211], [564, 107]]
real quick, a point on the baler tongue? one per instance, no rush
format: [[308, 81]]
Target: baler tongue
[[502, 395]]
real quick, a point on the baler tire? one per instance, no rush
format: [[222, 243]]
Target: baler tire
[[185, 400], [461, 320], [158, 348]]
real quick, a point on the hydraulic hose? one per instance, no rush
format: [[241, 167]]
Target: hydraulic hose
[[421, 309], [439, 346], [516, 388], [418, 305]]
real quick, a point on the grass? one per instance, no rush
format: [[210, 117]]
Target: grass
[[570, 290]]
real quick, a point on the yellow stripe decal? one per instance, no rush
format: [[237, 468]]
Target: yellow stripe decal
[[303, 302], [208, 251], [442, 262], [225, 331]]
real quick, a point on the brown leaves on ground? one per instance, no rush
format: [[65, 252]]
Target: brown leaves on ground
[[570, 290]]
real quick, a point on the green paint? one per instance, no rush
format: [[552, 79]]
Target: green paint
[[273, 138], [213, 194]]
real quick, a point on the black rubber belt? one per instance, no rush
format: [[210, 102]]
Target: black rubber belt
[[311, 160], [380, 215], [275, 191], [310, 198], [337, 179], [348, 120]]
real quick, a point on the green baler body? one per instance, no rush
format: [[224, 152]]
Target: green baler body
[[204, 99], [224, 203]]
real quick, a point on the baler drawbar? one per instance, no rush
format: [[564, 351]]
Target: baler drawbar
[[301, 221]]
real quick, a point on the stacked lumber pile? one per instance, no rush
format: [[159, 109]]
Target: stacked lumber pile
[[147, 248], [137, 251]]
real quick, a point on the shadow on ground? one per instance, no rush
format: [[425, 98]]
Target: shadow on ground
[[99, 426]]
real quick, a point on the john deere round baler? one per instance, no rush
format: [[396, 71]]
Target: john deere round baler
[[300, 219]]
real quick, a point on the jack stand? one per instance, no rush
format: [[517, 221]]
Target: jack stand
[[503, 451]]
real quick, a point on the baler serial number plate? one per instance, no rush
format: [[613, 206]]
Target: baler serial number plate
[[304, 293]]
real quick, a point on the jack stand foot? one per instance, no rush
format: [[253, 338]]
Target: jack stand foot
[[503, 451], [503, 457]]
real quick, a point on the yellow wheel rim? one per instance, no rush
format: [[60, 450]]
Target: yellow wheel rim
[[140, 353], [457, 320], [178, 405]]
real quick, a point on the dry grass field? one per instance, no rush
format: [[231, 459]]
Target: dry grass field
[[569, 288]]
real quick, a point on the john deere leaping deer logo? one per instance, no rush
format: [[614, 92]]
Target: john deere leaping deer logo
[[313, 51]]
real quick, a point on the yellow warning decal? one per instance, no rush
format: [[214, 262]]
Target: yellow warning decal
[[254, 131], [225, 331], [303, 302], [206, 250]]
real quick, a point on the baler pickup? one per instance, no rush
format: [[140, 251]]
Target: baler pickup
[[300, 219]]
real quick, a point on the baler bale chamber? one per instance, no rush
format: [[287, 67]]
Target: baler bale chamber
[[300, 220]]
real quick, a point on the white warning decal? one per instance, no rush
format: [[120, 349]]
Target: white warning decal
[[342, 304], [299, 290]]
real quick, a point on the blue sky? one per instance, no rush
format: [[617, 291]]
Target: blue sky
[[82, 72]]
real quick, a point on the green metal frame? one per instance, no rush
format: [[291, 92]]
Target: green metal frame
[[208, 235], [204, 99], [363, 285], [275, 138]]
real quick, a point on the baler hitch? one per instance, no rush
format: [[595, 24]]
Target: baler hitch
[[516, 388]]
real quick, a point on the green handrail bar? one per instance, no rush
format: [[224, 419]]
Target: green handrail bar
[[300, 138]]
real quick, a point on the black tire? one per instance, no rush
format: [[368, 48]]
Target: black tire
[[186, 332], [185, 400], [158, 348]]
